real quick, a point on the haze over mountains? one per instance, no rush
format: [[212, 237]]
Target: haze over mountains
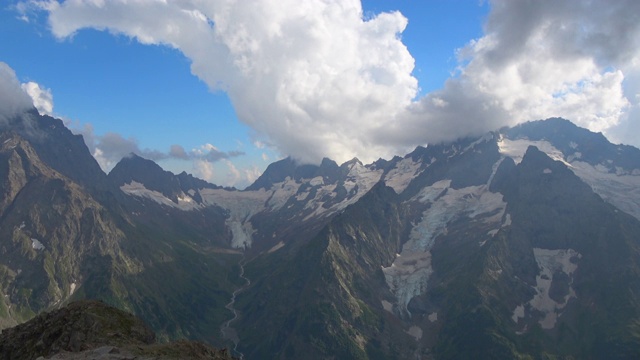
[[523, 242]]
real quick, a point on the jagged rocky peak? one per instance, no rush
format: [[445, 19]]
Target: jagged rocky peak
[[612, 171], [133, 167], [279, 171], [351, 162], [59, 148], [348, 166], [190, 182], [329, 170], [577, 143], [134, 170], [276, 172]]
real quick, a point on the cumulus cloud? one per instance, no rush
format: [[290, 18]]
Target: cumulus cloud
[[41, 97], [110, 148], [241, 177], [178, 152], [537, 59], [16, 97], [211, 153], [204, 170], [251, 174], [312, 78], [13, 99], [316, 78]]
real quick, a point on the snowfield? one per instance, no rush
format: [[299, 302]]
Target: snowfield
[[400, 176], [516, 149], [243, 205], [134, 188], [408, 275], [620, 188], [550, 262], [36, 244], [621, 191]]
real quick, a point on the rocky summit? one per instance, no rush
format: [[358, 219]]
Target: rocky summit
[[92, 330], [520, 243]]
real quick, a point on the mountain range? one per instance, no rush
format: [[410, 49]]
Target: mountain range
[[521, 243]]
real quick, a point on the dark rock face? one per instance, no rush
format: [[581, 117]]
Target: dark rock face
[[147, 172], [569, 138], [93, 330], [80, 326], [53, 232], [280, 170], [344, 257], [67, 233], [60, 149]]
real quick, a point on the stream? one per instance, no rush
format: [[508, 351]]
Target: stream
[[229, 332]]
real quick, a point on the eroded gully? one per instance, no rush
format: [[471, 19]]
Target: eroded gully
[[228, 332]]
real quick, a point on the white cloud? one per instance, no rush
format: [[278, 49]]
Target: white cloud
[[241, 178], [233, 174], [110, 148], [211, 153], [41, 97], [178, 152], [203, 169], [536, 60], [251, 175], [13, 99], [315, 79]]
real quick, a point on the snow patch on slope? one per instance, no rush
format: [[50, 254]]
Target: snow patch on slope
[[359, 181], [282, 192], [622, 191], [276, 247], [408, 275], [185, 202], [241, 205], [551, 262], [387, 306], [401, 175], [518, 313], [433, 317], [36, 244], [415, 332], [621, 188], [516, 149], [363, 177]]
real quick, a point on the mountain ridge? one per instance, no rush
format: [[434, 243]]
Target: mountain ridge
[[517, 233]]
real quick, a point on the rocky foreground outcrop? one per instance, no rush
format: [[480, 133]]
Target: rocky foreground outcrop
[[92, 330]]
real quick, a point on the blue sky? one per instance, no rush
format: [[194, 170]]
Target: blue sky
[[146, 97]]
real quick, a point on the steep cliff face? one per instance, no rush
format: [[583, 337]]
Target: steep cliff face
[[64, 236], [326, 297], [61, 150], [55, 235]]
